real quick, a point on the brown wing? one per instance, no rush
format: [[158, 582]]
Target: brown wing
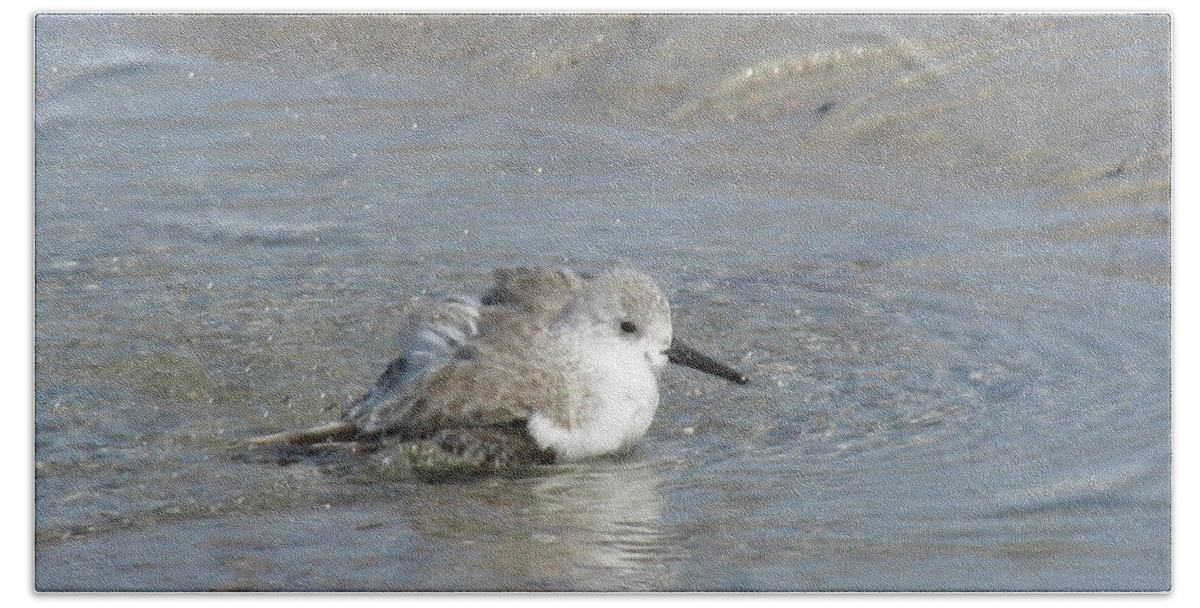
[[500, 379], [433, 334], [498, 376]]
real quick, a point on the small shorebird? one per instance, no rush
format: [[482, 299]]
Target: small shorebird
[[546, 366]]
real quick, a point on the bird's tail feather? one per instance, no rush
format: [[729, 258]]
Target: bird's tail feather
[[326, 433]]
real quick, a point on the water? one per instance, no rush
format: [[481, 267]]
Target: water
[[939, 244]]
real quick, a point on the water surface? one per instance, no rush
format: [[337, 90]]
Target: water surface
[[939, 244]]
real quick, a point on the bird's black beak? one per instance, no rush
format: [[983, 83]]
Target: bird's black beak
[[682, 354]]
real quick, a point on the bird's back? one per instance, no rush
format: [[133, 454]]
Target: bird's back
[[472, 361]]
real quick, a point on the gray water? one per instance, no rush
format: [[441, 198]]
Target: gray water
[[940, 245]]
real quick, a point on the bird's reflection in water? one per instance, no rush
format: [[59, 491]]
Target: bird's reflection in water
[[593, 526]]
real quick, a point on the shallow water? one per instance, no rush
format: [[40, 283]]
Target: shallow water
[[939, 244]]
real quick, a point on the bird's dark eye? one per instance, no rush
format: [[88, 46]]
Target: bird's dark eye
[[628, 327]]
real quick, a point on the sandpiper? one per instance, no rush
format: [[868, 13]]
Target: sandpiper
[[548, 365]]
